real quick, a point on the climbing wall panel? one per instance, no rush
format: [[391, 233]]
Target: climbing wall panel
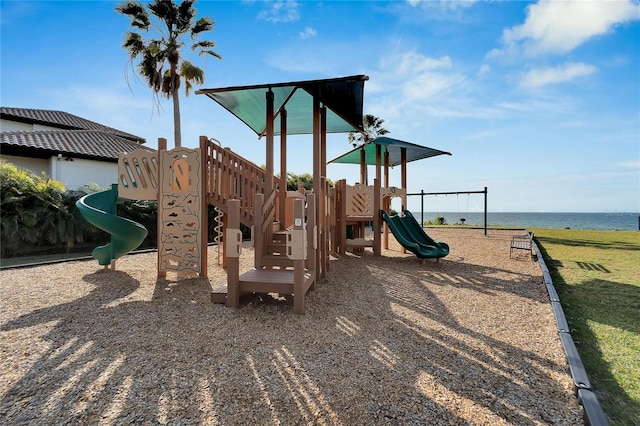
[[359, 200], [138, 175], [180, 211]]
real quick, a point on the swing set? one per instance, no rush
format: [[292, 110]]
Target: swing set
[[458, 193]]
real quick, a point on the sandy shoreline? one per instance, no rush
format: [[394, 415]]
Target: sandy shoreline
[[388, 340]]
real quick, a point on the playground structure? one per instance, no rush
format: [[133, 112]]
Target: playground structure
[[175, 180], [360, 203], [293, 234]]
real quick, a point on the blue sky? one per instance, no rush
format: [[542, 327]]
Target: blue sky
[[538, 101]]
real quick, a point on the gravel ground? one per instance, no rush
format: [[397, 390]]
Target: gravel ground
[[469, 340]]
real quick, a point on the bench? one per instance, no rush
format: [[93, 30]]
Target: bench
[[522, 242]]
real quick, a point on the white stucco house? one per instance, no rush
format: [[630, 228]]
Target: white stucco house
[[64, 146]]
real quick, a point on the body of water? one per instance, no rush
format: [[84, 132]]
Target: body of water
[[600, 221]]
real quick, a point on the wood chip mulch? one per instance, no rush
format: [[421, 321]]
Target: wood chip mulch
[[468, 340]]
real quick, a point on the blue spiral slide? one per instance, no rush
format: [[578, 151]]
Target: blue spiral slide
[[99, 209]]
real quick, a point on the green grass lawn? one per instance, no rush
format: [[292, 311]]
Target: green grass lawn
[[597, 276]]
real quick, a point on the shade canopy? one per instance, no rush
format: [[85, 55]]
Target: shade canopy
[[393, 147], [343, 98]]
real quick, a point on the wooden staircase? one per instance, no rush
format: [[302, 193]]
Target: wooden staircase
[[284, 260], [275, 253]]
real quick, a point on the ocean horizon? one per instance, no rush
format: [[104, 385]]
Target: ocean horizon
[[620, 221]]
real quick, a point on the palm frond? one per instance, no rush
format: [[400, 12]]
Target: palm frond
[[191, 74], [205, 48], [186, 13], [134, 44], [170, 84], [203, 24], [165, 10], [137, 13]]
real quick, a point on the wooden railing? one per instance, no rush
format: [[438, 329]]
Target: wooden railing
[[232, 177], [263, 225]]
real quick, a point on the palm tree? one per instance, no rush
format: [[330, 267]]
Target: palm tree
[[160, 63], [372, 126]]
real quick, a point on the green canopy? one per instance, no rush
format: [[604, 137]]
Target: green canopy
[[343, 98], [393, 147]]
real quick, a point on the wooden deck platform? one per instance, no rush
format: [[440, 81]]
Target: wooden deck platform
[[264, 281]]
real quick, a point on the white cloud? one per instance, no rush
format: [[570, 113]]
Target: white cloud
[[634, 165], [308, 33], [552, 75], [484, 70], [557, 27], [408, 89], [281, 11], [414, 75]]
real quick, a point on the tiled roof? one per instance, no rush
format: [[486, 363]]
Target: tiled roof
[[82, 143], [61, 119]]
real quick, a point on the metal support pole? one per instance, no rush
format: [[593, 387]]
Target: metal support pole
[[485, 211], [422, 207]]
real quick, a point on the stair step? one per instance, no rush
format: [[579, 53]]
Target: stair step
[[264, 281], [271, 281], [273, 248], [276, 260], [280, 236], [219, 295]]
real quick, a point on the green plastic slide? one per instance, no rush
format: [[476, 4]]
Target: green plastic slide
[[413, 238], [418, 231], [99, 209]]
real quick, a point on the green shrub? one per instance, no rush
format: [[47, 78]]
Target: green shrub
[[438, 220], [39, 217], [33, 213]]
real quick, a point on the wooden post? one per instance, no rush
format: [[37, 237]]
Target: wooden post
[[328, 226], [317, 170], [322, 232], [204, 220], [282, 201], [363, 166], [343, 216], [323, 225], [258, 237], [225, 225], [298, 264], [377, 202], [268, 184], [311, 249], [403, 161], [387, 202], [233, 263], [376, 217], [162, 146]]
